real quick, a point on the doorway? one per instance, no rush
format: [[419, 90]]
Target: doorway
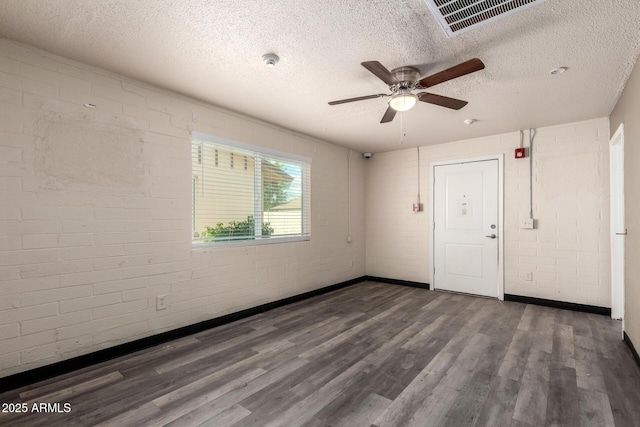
[[618, 230], [466, 213]]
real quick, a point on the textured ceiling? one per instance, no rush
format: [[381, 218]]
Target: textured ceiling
[[212, 49]]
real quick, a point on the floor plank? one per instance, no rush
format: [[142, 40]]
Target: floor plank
[[369, 354]]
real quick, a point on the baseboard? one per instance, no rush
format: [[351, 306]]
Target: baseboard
[[632, 348], [605, 311], [420, 285], [32, 376]]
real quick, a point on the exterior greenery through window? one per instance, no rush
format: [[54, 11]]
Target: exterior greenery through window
[[242, 193]]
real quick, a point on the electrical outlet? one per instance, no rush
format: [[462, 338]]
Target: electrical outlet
[[351, 263], [527, 224], [528, 276], [161, 302]]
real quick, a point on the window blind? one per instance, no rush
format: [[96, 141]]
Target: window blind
[[244, 194]]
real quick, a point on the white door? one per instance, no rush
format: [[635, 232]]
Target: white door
[[465, 214], [618, 230]]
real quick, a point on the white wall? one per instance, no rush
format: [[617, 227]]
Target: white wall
[[627, 111], [95, 213], [569, 251], [397, 238]]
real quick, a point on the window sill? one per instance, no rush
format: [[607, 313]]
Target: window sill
[[251, 242]]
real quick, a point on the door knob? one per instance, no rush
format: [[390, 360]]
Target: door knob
[[491, 236]]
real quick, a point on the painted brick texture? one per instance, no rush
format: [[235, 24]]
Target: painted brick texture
[[95, 213], [568, 253]]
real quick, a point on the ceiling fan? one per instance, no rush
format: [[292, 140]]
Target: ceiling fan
[[403, 81]]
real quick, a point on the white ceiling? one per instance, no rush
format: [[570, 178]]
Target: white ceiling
[[212, 50]]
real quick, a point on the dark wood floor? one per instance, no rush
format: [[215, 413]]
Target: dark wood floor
[[369, 354]]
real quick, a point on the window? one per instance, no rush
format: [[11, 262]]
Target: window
[[265, 201]]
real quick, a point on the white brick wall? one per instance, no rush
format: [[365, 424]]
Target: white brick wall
[[397, 242], [569, 251], [95, 213]]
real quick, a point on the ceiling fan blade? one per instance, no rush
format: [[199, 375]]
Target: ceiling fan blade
[[388, 115], [443, 101], [360, 98], [380, 71], [462, 69]]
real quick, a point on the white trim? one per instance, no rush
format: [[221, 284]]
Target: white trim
[[617, 218], [500, 159], [243, 146]]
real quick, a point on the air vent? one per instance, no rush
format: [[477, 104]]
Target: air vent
[[458, 16]]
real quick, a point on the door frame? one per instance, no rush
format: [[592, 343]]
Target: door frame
[[617, 225], [432, 165]]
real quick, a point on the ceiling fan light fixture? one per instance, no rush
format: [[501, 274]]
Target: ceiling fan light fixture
[[403, 100]]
